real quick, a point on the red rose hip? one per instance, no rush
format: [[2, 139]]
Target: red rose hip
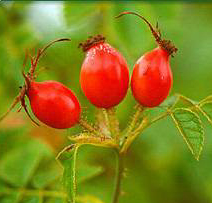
[[51, 102], [152, 77], [54, 104], [104, 76]]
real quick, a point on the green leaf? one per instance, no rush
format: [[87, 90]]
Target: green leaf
[[32, 199], [190, 127], [186, 100], [170, 102], [19, 164], [68, 159], [10, 198], [206, 100], [206, 109], [86, 172], [46, 175]]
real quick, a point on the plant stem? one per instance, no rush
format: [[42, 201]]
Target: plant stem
[[119, 175], [113, 124], [133, 135], [102, 121], [135, 118], [88, 127], [161, 116]]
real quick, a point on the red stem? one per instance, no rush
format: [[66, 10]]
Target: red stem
[[40, 52], [154, 32]]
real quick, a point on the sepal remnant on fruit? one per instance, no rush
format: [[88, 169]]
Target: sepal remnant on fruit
[[91, 41], [163, 43]]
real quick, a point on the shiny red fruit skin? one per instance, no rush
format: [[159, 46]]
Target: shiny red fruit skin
[[104, 76], [54, 104], [152, 78]]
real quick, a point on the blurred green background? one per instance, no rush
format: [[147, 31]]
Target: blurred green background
[[160, 168]]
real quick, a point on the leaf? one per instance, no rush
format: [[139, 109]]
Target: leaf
[[86, 172], [32, 199], [70, 179], [190, 127], [46, 175], [206, 100], [19, 164], [7, 196], [13, 197], [206, 109], [68, 159], [170, 102], [186, 100]]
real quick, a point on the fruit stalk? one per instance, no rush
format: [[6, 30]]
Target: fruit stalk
[[113, 124], [136, 116], [88, 127]]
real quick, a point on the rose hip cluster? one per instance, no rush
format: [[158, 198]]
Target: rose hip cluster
[[104, 80]]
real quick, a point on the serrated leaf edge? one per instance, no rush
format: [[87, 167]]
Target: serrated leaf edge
[[184, 136]]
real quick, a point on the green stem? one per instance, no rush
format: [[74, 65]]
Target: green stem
[[135, 118], [143, 125], [161, 116], [113, 124], [119, 175], [74, 190], [186, 99], [132, 136], [88, 127], [102, 121]]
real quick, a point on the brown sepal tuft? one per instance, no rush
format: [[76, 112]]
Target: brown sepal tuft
[[91, 41], [167, 45]]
